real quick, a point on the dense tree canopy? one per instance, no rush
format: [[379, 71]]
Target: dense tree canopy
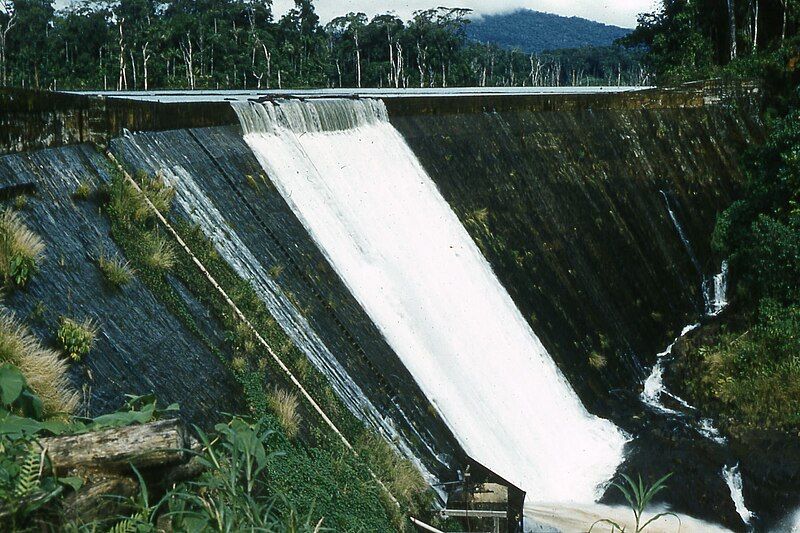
[[690, 38], [148, 44]]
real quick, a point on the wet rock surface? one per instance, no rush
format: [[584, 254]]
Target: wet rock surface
[[140, 348]]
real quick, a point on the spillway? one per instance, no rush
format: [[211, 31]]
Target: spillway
[[381, 222]]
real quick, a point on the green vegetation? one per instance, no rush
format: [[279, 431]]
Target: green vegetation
[[230, 495], [76, 338], [20, 250], [750, 371], [20, 202], [44, 370], [533, 31], [116, 270], [285, 406], [136, 45], [159, 252], [82, 191], [638, 497], [597, 360], [689, 40], [315, 474]]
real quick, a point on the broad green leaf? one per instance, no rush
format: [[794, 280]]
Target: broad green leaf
[[75, 483], [12, 382]]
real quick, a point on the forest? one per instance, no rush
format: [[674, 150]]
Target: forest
[[744, 368], [238, 44]]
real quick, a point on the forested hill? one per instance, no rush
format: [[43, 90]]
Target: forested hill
[[534, 31]]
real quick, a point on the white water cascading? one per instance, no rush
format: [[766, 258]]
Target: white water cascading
[[367, 202], [733, 478], [201, 210]]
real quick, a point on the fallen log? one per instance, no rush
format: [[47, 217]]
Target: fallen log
[[101, 498], [157, 444]]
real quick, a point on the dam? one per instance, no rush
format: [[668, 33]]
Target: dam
[[487, 278]]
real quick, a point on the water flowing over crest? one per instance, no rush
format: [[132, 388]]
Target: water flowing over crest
[[367, 202]]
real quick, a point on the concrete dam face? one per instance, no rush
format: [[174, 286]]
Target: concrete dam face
[[485, 280]]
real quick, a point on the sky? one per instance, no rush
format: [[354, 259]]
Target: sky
[[617, 12]]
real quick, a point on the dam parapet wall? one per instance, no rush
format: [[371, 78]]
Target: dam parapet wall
[[31, 119]]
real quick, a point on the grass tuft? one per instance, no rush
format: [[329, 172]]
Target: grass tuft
[[597, 360], [76, 338], [82, 191], [275, 271], [159, 252], [44, 369], [116, 270], [285, 405], [130, 205], [21, 250], [402, 478]]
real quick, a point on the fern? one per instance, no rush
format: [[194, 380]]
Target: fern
[[28, 480], [130, 525]]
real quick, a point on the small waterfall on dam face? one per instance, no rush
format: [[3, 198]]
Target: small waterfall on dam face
[[365, 199]]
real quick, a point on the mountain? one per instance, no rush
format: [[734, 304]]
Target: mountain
[[534, 31]]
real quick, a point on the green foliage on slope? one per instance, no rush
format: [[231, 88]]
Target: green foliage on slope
[[750, 372], [315, 473]]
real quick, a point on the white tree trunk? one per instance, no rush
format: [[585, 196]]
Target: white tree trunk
[[732, 26], [145, 59], [783, 29]]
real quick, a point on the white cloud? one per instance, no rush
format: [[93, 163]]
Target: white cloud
[[618, 12]]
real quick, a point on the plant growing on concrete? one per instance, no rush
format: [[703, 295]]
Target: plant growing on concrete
[[21, 250], [404, 479], [159, 252], [638, 496], [285, 405], [275, 271], [116, 270], [20, 202], [82, 191], [597, 360], [76, 338], [44, 370]]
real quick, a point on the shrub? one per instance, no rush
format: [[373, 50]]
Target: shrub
[[20, 202], [285, 406], [159, 252], [239, 364], [116, 270], [82, 191], [20, 250], [76, 338], [44, 370], [597, 360]]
